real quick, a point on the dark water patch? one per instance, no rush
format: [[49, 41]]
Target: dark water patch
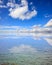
[[9, 64]]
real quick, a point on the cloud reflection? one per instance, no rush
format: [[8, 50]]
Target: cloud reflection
[[49, 40], [22, 49]]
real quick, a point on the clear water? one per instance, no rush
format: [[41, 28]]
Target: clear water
[[26, 49]]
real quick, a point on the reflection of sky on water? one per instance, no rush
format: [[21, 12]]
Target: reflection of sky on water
[[13, 42], [26, 49]]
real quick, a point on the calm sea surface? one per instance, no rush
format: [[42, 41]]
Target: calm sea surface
[[26, 49]]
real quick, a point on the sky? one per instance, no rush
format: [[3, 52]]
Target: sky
[[25, 13]]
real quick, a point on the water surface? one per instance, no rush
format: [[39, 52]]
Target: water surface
[[26, 49]]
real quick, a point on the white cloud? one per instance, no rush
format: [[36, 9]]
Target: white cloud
[[29, 15], [3, 6], [16, 27], [20, 31], [9, 4], [24, 2], [18, 12], [34, 26], [22, 49], [49, 23], [1, 1], [9, 30], [21, 11]]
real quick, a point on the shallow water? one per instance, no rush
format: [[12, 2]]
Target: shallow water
[[26, 49]]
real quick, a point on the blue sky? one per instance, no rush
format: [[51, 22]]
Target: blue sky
[[33, 12]]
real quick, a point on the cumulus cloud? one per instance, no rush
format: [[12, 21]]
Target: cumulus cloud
[[21, 11], [18, 12], [22, 49], [29, 15]]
